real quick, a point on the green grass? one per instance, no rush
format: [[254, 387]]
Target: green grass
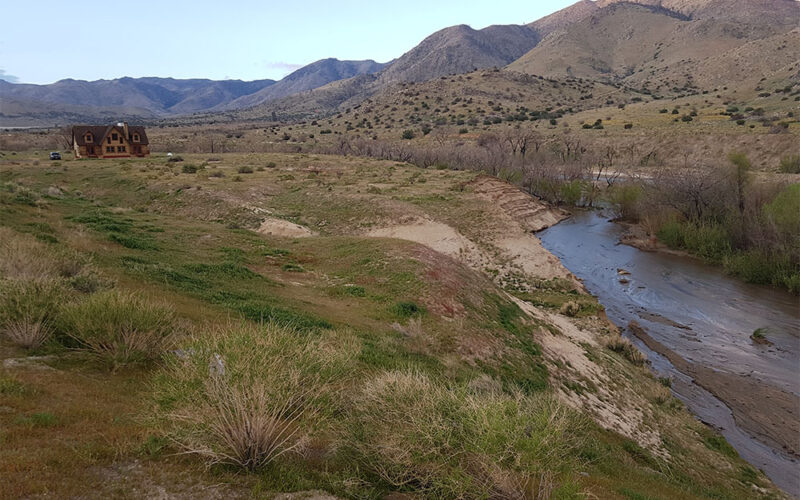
[[10, 386], [38, 419]]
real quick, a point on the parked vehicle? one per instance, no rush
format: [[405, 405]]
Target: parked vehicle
[[55, 155]]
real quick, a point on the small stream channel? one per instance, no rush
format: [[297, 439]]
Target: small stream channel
[[701, 314]]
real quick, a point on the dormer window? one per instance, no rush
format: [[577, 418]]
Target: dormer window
[[88, 137], [114, 137], [135, 137]]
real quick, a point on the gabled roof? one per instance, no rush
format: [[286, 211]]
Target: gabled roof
[[99, 133], [79, 133], [136, 129]]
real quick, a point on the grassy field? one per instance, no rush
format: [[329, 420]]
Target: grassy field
[[158, 340]]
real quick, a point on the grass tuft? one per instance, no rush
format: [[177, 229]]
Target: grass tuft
[[248, 394], [449, 442], [120, 328]]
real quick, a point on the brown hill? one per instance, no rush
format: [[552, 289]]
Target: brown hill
[[654, 40], [460, 49]]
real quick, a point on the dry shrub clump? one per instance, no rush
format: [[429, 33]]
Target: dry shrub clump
[[453, 442], [120, 327], [248, 394]]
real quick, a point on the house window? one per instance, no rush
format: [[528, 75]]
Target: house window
[[113, 137], [135, 137], [88, 137], [109, 140], [110, 149], [120, 149]]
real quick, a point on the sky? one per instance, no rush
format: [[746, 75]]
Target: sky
[[45, 41]]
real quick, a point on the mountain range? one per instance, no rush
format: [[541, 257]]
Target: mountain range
[[660, 45]]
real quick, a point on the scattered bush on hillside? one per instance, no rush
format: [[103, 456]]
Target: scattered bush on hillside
[[408, 134], [245, 169]]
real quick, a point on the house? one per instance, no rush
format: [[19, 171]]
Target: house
[[109, 141]]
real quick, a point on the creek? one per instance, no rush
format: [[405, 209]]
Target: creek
[[706, 318]]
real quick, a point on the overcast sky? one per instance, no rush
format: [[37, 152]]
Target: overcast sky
[[45, 41]]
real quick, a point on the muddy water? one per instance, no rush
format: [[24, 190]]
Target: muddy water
[[706, 318]]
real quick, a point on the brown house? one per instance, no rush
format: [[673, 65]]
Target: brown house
[[111, 141]]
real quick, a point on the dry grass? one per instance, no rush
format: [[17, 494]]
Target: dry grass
[[24, 258], [27, 332]]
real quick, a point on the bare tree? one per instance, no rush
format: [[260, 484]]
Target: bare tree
[[64, 137]]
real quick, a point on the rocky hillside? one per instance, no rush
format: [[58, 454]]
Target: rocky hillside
[[666, 43]]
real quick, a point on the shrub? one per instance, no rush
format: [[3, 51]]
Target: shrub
[[244, 169], [453, 442], [217, 174], [621, 345], [707, 240], [625, 199], [120, 328], [174, 159], [407, 309], [28, 308], [570, 308], [790, 164], [188, 168], [408, 134], [571, 192], [247, 394], [755, 266]]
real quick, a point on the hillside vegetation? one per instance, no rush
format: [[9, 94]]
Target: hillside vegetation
[[248, 324]]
